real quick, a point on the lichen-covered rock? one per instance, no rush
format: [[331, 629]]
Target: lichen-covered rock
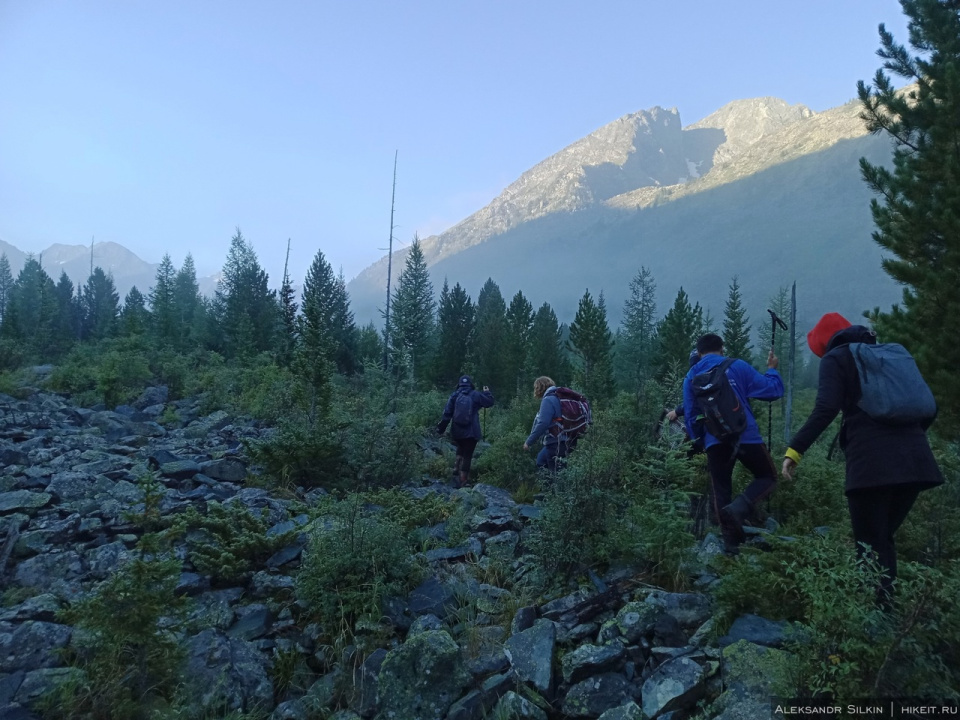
[[757, 630], [31, 645], [422, 678], [23, 500], [690, 609], [633, 621], [630, 711], [516, 706], [594, 696], [589, 660], [677, 684], [502, 546], [224, 673], [531, 655], [752, 675]]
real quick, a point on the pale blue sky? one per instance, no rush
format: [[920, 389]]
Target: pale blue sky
[[163, 125]]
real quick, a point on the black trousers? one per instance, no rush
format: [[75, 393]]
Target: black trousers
[[465, 448], [721, 460], [875, 514]]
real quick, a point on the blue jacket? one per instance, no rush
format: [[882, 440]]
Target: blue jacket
[[480, 400], [746, 382], [547, 418]]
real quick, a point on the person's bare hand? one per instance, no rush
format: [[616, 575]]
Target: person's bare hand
[[526, 447], [672, 415], [772, 360], [789, 467]]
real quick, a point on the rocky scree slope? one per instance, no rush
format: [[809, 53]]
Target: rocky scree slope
[[614, 650]]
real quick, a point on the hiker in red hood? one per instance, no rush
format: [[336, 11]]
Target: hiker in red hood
[[887, 465]]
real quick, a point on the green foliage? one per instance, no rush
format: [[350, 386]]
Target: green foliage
[[126, 644], [677, 334], [12, 354], [112, 371], [578, 513], [412, 318], [356, 558], [487, 360], [736, 326], [301, 454], [546, 355], [918, 225], [454, 328], [636, 340], [504, 463], [229, 543], [845, 644], [409, 511], [591, 344]]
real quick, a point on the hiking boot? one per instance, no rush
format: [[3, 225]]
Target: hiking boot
[[733, 516]]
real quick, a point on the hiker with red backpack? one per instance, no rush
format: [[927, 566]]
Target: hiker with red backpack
[[564, 416], [462, 413], [718, 388], [887, 408]]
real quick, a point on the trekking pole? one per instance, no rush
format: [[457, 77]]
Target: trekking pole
[[774, 321]]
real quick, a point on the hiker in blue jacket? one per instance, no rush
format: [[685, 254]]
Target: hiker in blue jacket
[[748, 447], [547, 425], [463, 410]]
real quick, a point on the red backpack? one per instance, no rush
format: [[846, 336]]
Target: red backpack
[[575, 415]]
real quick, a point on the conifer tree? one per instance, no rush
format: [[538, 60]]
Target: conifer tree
[[134, 316], [67, 314], [636, 339], [163, 312], [489, 335], [369, 345], [244, 308], [519, 324], [454, 327], [32, 310], [917, 214], [546, 355], [677, 334], [6, 284], [101, 306], [314, 354], [188, 305], [412, 316], [736, 326], [346, 334], [591, 343]]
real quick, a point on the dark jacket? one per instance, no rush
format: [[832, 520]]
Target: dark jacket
[[877, 454], [746, 382], [481, 399], [548, 418]]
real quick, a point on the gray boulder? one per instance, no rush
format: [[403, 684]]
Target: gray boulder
[[594, 696], [677, 684], [630, 711], [757, 630], [226, 674], [690, 609], [422, 678], [516, 706], [531, 655], [31, 645], [752, 675], [589, 660], [22, 500], [225, 470]]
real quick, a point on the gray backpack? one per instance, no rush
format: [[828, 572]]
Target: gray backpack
[[893, 390]]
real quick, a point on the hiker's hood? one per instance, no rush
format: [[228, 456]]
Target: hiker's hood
[[829, 325], [466, 383], [852, 334]]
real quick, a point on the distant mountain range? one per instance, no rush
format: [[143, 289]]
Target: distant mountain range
[[761, 189], [126, 268]]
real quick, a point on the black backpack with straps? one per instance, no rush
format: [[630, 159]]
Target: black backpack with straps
[[724, 415]]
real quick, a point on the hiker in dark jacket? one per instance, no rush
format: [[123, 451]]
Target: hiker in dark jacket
[[547, 425], [748, 447], [465, 434], [886, 465]]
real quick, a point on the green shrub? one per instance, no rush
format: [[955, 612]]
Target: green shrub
[[845, 644], [301, 454], [128, 651], [12, 355], [230, 542], [354, 560]]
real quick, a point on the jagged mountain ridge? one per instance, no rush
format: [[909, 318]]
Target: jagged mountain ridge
[[126, 268], [608, 191]]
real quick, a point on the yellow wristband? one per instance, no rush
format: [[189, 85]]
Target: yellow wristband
[[793, 455]]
